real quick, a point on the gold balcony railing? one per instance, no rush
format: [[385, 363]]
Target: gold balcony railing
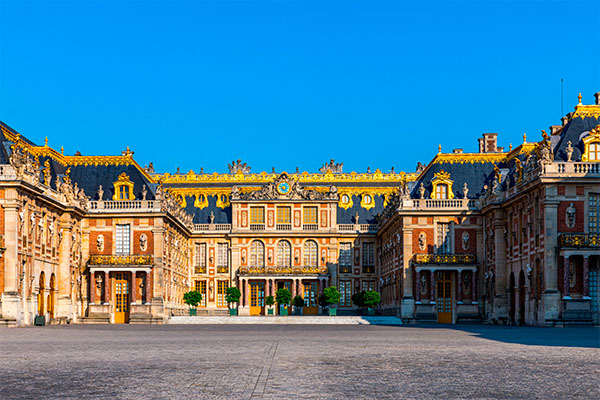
[[199, 270], [579, 240], [283, 270], [444, 259], [121, 260]]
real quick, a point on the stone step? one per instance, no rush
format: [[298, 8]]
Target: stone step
[[8, 322], [294, 320]]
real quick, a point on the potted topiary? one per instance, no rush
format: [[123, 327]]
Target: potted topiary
[[358, 300], [370, 299], [192, 299], [298, 303], [331, 297], [283, 297], [269, 301], [232, 296]]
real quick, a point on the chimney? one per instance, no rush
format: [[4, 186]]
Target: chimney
[[564, 120], [554, 129], [457, 151], [481, 149], [490, 142], [597, 95], [500, 149]]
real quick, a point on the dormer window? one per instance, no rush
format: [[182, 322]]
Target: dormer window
[[123, 188], [441, 191], [591, 146], [442, 186]]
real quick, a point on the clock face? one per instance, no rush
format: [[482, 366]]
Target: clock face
[[283, 187]]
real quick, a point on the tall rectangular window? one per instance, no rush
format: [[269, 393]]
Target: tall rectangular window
[[368, 285], [200, 286], [257, 215], [221, 288], [594, 213], [284, 215], [368, 257], [345, 258], [310, 215], [222, 262], [346, 293], [123, 240], [443, 238], [200, 267]]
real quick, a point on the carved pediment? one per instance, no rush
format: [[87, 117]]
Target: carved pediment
[[284, 187]]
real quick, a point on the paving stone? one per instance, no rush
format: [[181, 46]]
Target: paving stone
[[298, 361]]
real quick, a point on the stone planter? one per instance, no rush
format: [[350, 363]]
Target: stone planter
[[370, 311], [283, 310], [193, 311], [297, 310], [233, 312], [270, 311], [332, 311]]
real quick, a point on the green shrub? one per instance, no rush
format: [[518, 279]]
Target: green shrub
[[298, 301], [269, 300], [283, 296], [371, 298], [232, 295], [192, 298], [358, 299], [331, 296]]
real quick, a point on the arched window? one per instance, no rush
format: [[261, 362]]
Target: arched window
[[441, 191], [257, 254], [310, 253], [284, 254]]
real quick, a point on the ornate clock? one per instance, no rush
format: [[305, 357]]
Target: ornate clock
[[283, 187]]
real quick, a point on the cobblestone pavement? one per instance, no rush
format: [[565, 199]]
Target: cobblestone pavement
[[298, 361]]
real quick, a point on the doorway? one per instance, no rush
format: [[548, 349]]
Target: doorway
[[257, 298], [444, 297], [311, 306], [121, 297]]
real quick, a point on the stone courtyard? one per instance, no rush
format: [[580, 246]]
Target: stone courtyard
[[298, 361]]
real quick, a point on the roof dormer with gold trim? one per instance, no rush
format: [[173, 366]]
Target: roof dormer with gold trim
[[123, 188], [442, 186], [591, 146]]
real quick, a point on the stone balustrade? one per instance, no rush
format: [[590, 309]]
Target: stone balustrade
[[579, 169], [444, 259], [124, 206], [144, 259], [579, 240], [283, 270]]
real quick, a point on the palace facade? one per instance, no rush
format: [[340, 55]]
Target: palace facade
[[503, 236]]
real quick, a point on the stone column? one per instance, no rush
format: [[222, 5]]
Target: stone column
[[500, 310], [418, 279], [93, 288], [551, 294], [566, 276], [586, 276], [474, 286], [246, 293], [11, 306], [432, 286], [459, 294], [106, 287], [149, 286], [64, 267], [294, 283], [407, 308], [133, 287]]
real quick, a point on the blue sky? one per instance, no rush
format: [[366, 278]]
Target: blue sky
[[194, 84]]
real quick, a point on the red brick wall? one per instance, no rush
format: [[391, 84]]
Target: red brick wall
[[107, 242], [458, 248], [136, 242], [562, 216], [428, 240]]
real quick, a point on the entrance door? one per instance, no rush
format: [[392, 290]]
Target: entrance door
[[257, 298], [121, 297], [310, 299], [444, 297]]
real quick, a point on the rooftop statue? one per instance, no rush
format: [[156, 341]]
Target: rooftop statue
[[332, 166], [236, 166]]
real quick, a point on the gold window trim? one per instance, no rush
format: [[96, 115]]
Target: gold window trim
[[347, 205], [123, 180], [442, 178], [223, 203], [593, 137], [365, 205], [201, 201]]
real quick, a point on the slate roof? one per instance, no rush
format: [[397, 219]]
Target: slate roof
[[574, 131]]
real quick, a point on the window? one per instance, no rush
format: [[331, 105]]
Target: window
[[284, 215], [257, 254], [345, 258], [594, 213], [200, 286], [123, 193], [257, 215], [441, 191], [310, 215], [222, 264], [594, 152], [443, 238], [368, 285], [284, 254], [221, 289], [123, 188], [346, 293], [310, 253], [123, 240], [368, 257], [200, 267]]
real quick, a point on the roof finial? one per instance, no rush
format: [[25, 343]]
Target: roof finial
[[510, 147], [579, 97], [440, 149], [524, 137], [62, 150], [46, 141]]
